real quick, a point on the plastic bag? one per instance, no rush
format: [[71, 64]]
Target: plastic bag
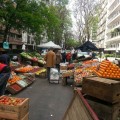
[[54, 74]]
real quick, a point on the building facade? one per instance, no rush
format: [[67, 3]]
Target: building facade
[[112, 38], [14, 39], [100, 43], [108, 36]]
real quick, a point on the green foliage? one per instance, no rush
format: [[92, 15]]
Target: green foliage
[[112, 55], [23, 15], [36, 17], [71, 43]]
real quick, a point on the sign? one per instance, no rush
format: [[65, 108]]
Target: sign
[[6, 45]]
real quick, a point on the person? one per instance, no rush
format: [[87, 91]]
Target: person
[[50, 59], [63, 55], [5, 57], [74, 56], [58, 60], [72, 53], [4, 76], [68, 57]]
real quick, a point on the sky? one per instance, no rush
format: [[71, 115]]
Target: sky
[[71, 8]]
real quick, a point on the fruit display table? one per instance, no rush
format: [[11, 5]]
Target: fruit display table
[[23, 77], [33, 57]]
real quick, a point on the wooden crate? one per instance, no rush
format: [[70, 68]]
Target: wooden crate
[[102, 88], [42, 75], [79, 109], [15, 112], [63, 67], [26, 117], [12, 90], [104, 110]]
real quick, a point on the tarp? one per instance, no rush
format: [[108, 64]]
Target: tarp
[[88, 46], [48, 45]]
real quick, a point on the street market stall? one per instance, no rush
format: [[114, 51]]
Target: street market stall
[[22, 76], [48, 45], [32, 58]]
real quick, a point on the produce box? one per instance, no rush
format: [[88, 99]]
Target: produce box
[[14, 108], [68, 73], [104, 110], [30, 76], [42, 75], [28, 81], [63, 67], [22, 83], [14, 88], [102, 88]]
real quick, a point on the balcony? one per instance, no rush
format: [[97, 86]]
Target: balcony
[[112, 4], [115, 20], [115, 37], [114, 26], [14, 41], [116, 7], [114, 15]]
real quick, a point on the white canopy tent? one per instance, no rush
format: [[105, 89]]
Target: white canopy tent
[[48, 45]]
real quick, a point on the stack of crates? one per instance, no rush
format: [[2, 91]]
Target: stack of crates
[[103, 95]]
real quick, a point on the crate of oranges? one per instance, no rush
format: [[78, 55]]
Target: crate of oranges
[[107, 69]]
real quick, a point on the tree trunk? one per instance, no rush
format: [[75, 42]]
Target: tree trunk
[[6, 32]]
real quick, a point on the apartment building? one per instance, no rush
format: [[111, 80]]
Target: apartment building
[[112, 38], [100, 43], [108, 36], [14, 39], [28, 40]]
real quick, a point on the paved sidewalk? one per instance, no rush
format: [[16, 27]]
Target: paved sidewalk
[[47, 101]]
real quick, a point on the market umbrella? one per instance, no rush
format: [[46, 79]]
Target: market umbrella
[[88, 46], [48, 45]]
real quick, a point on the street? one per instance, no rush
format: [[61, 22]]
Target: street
[[47, 101]]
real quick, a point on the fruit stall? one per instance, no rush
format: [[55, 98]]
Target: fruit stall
[[34, 57], [22, 76], [78, 71], [100, 89]]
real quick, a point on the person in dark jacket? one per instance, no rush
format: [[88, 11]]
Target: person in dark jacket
[[63, 53], [5, 58], [58, 60], [4, 76]]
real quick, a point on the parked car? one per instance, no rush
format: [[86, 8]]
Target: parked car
[[85, 54]]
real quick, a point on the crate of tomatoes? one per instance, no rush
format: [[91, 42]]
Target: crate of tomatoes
[[14, 108]]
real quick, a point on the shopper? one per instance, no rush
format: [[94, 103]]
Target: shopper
[[4, 57], [50, 59], [58, 60], [4, 76], [68, 57], [63, 55]]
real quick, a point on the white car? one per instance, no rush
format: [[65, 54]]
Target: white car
[[86, 54]]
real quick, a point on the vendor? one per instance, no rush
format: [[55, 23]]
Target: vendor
[[4, 76], [4, 57]]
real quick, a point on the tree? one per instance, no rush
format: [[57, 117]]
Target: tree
[[84, 12], [71, 43], [22, 15]]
